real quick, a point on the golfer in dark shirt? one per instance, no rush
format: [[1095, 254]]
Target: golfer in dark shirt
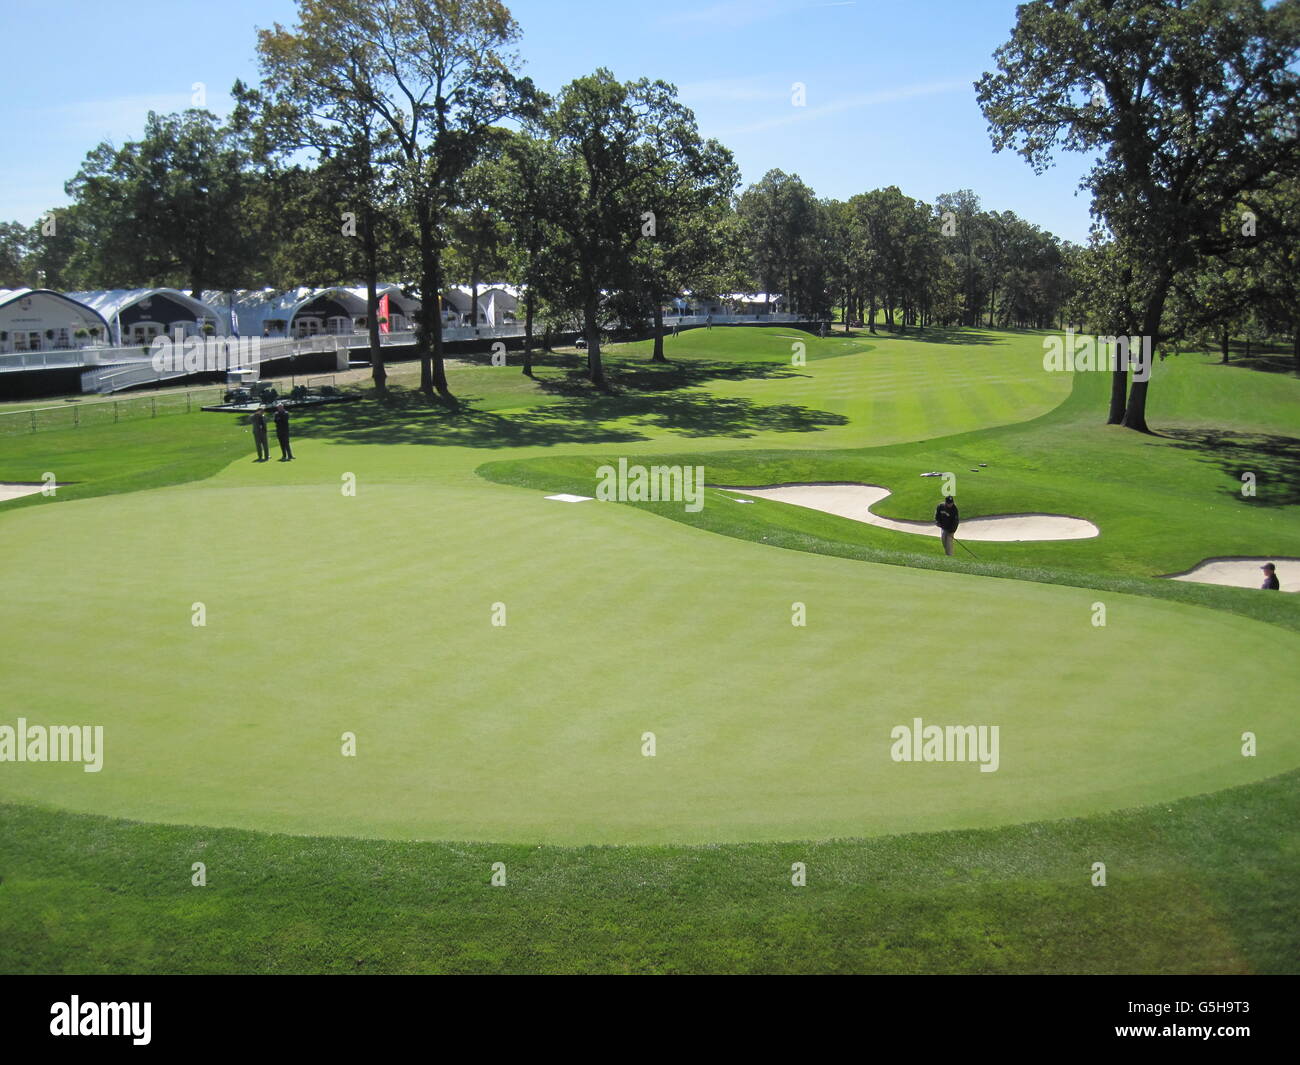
[[282, 432], [259, 436], [1270, 578], [947, 518]]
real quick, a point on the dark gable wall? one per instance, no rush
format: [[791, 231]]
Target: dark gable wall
[[323, 307], [162, 309]]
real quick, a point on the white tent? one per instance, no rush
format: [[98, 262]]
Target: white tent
[[41, 319]]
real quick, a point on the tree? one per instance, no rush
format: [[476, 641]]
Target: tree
[[960, 222], [620, 147], [1188, 102], [687, 195], [438, 74], [779, 216], [528, 202], [477, 234], [301, 108], [1273, 262], [14, 250], [169, 209]]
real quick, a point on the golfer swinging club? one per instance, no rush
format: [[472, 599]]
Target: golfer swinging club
[[946, 517]]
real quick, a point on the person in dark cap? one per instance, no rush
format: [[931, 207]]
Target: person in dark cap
[[259, 436], [282, 432], [947, 518], [1270, 578]]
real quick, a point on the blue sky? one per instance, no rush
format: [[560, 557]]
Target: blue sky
[[888, 85]]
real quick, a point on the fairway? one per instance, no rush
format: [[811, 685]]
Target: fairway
[[477, 501], [327, 614]]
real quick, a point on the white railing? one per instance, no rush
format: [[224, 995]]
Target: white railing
[[729, 319], [91, 355], [110, 369], [87, 356], [37, 359], [482, 332], [141, 371], [109, 379]]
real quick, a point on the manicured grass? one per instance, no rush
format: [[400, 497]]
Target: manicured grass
[[531, 732], [1206, 885], [372, 614], [1163, 502]]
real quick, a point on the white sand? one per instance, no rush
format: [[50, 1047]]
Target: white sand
[[566, 497], [1239, 572], [856, 500], [17, 491]]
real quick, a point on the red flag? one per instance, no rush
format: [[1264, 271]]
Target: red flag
[[383, 313]]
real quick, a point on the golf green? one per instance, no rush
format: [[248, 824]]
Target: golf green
[[379, 615]]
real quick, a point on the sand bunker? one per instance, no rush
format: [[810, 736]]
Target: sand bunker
[[856, 500], [17, 491], [1240, 572]]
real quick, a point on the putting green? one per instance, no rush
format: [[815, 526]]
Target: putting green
[[372, 614], [327, 614]]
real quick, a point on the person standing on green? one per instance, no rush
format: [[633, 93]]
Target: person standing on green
[[259, 436], [282, 432], [947, 518]]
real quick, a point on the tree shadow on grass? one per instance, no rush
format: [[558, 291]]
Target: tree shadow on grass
[[1273, 459], [1264, 363], [666, 397], [934, 335]]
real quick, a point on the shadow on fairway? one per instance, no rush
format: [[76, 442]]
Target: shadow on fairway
[[1273, 459], [1263, 363], [663, 396], [941, 336]]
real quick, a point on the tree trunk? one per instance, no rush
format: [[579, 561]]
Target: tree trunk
[[591, 329], [1224, 343], [871, 320], [658, 355], [433, 373], [473, 301], [377, 370], [1118, 396], [1135, 415], [1295, 343], [430, 292], [439, 367], [528, 333]]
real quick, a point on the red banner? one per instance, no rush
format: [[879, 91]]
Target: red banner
[[383, 313]]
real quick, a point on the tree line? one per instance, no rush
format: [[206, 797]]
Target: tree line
[[397, 139]]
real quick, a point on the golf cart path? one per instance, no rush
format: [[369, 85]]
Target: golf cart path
[[855, 501]]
